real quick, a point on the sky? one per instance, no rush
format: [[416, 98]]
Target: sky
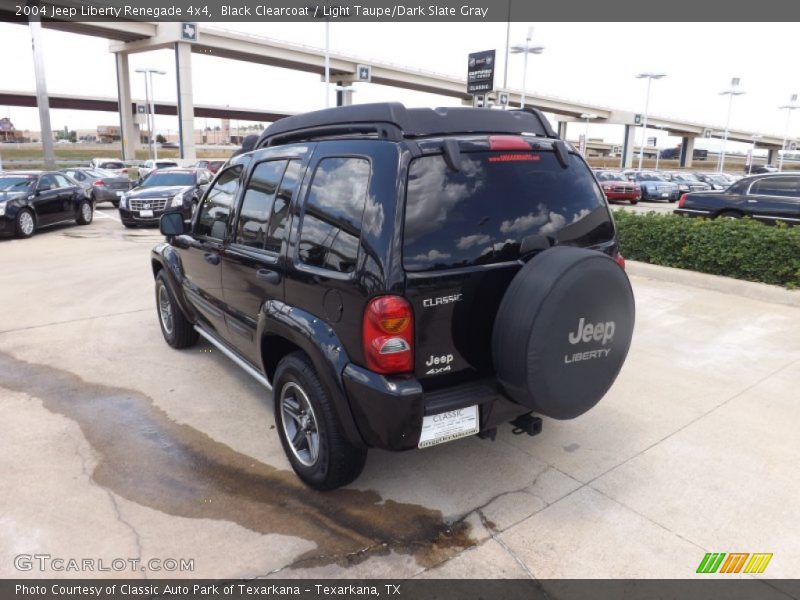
[[591, 62]]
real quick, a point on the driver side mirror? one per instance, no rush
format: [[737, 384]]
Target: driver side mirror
[[45, 187], [172, 224]]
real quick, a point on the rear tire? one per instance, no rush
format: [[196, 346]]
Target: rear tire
[[309, 429], [24, 224], [85, 212], [176, 328]]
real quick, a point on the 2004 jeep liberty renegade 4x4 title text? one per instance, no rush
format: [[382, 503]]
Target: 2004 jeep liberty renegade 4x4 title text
[[401, 278]]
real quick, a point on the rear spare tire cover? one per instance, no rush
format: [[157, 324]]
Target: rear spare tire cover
[[563, 331]]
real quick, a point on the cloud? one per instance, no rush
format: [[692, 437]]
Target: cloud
[[525, 222], [472, 240], [431, 256]]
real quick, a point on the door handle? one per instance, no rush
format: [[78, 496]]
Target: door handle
[[268, 275], [211, 257]]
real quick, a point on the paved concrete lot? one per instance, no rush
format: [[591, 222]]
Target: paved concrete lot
[[116, 446]]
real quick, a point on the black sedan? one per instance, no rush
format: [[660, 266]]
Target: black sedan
[[162, 191], [768, 198], [33, 199], [686, 182], [100, 185]]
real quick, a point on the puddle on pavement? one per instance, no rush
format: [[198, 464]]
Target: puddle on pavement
[[149, 459]]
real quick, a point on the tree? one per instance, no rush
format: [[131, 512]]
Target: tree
[[161, 139]]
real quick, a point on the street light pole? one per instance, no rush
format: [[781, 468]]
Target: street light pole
[[587, 117], [788, 108], [649, 77], [327, 63], [526, 49], [733, 91], [753, 153], [151, 108]]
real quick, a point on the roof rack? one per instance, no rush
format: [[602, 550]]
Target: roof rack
[[393, 121]]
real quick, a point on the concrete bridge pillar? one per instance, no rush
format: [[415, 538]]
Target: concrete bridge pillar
[[772, 155], [183, 71], [687, 150], [562, 130], [127, 127], [626, 161], [344, 97]]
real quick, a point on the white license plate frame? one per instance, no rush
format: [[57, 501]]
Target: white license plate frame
[[449, 426], [145, 213]]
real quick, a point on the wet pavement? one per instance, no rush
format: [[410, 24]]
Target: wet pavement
[[117, 446]]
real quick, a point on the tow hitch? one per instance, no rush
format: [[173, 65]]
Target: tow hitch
[[527, 424]]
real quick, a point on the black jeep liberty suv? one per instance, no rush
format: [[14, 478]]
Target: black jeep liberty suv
[[401, 278]]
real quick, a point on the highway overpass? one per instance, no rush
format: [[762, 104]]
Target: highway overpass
[[131, 37]]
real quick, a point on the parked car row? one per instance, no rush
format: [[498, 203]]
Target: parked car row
[[653, 185]]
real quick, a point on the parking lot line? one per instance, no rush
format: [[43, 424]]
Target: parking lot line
[[97, 213]]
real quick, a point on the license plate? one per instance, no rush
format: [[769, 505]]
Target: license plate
[[665, 195], [145, 213], [448, 426], [119, 194]]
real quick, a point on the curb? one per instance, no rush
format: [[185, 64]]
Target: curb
[[727, 285]]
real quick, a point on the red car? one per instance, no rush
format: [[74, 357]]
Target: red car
[[617, 187]]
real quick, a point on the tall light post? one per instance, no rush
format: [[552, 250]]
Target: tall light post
[[649, 77], [151, 107], [587, 117], [526, 49], [731, 92], [327, 63], [788, 108], [658, 152], [756, 137]]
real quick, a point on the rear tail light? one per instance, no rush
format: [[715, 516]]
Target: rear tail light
[[388, 335], [682, 201], [620, 260], [508, 142], [99, 183]]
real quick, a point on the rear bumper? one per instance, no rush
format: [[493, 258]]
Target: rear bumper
[[388, 411]]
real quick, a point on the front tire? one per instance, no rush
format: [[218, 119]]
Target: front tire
[[309, 430], [85, 212], [176, 328], [24, 224]]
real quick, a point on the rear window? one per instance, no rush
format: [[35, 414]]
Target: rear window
[[481, 213]]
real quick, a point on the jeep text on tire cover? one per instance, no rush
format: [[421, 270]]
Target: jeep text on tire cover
[[398, 308]]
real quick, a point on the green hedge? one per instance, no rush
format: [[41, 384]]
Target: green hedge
[[740, 248]]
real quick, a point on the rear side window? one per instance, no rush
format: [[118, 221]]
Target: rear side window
[[257, 203], [331, 227], [777, 186], [482, 213]]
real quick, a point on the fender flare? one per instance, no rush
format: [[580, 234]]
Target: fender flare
[[314, 337]]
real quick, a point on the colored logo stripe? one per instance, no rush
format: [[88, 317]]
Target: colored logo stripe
[[758, 562], [713, 562]]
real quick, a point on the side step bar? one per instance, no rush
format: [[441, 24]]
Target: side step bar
[[259, 377]]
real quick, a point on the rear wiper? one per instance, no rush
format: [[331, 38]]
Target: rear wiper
[[535, 243]]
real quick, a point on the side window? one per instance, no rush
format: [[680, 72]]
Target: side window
[[776, 186], [47, 181], [276, 231], [216, 210], [331, 227], [62, 181], [257, 203]]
